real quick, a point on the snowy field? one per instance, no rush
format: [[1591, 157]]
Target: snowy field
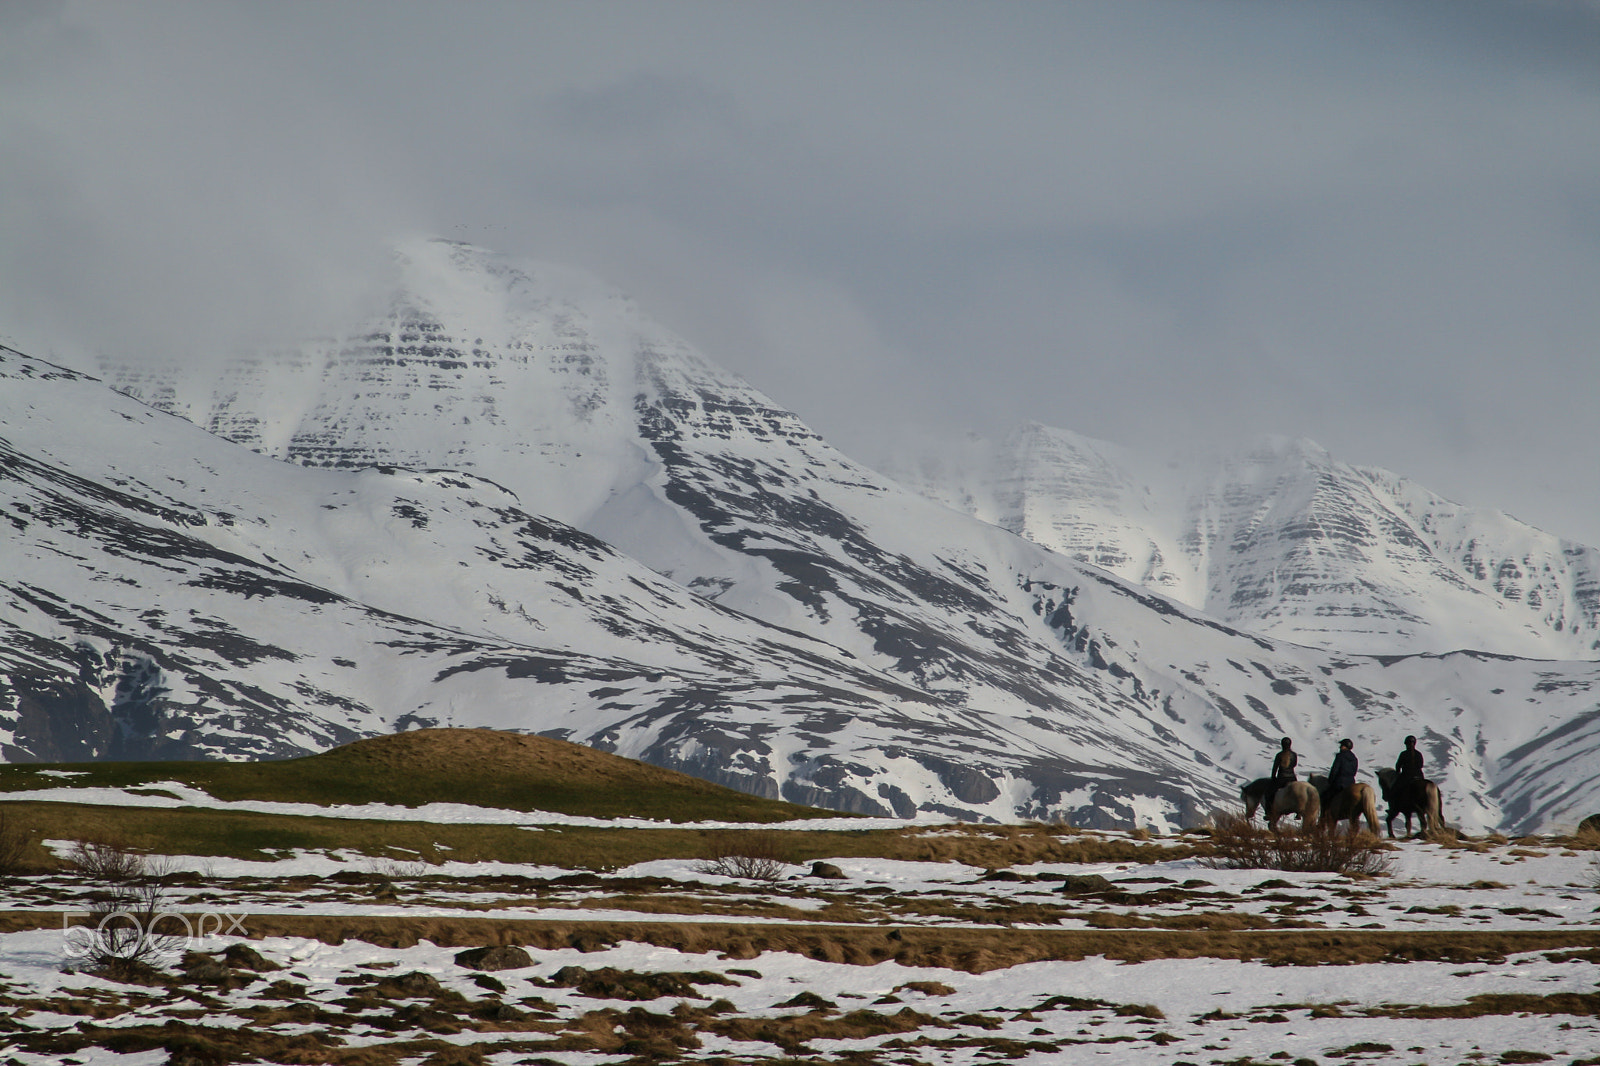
[[1482, 954]]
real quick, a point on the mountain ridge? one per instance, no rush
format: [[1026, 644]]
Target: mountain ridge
[[1283, 539], [807, 628]]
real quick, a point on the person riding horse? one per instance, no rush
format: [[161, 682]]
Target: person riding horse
[[1283, 765], [1408, 769], [1342, 774]]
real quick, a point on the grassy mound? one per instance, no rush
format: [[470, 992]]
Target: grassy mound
[[481, 767], [250, 835]]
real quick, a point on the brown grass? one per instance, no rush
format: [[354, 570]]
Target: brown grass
[[202, 1044], [971, 950], [249, 835], [486, 767], [1582, 1004], [1585, 838]]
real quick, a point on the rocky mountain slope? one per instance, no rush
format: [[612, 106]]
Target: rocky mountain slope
[[1286, 541], [742, 602]]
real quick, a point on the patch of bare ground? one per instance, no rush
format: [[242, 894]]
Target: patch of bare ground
[[996, 847], [971, 950], [1216, 920], [203, 832], [610, 983], [794, 1033], [670, 904], [1581, 1004], [208, 1044], [643, 1034]]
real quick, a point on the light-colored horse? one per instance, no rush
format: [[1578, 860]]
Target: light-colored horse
[[1427, 808], [1294, 797], [1352, 804]]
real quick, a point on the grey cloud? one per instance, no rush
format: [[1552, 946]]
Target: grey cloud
[[1370, 224]]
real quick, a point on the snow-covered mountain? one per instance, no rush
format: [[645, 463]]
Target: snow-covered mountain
[[1286, 541], [539, 510]]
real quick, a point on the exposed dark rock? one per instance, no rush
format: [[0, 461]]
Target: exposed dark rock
[[414, 985], [810, 1000], [245, 957], [611, 983], [497, 957]]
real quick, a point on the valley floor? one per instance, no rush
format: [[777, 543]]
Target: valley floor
[[1487, 953]]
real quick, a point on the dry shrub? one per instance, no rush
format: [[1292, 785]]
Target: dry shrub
[[130, 925], [756, 856], [1238, 844], [1444, 835], [1585, 838], [108, 861], [13, 846], [133, 927]]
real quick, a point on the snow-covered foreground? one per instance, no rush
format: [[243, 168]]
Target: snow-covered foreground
[[1432, 887], [1488, 955], [1098, 1010]]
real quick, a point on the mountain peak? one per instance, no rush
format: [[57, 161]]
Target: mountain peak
[[680, 571], [466, 281], [1283, 539]]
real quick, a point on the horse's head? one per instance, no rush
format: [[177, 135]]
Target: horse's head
[[1252, 795], [1386, 778]]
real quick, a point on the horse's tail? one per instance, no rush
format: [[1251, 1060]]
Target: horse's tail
[[1436, 803], [1313, 812], [1370, 810]]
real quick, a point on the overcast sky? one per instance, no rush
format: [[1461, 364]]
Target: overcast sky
[[1167, 225]]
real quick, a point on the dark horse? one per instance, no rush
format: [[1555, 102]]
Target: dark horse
[[1422, 802]]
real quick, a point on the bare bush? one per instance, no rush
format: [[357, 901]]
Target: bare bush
[[107, 861], [13, 846], [754, 856], [131, 928], [1238, 844], [130, 925]]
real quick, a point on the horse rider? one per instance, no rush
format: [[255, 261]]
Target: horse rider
[[1342, 774], [1283, 765], [1408, 772]]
